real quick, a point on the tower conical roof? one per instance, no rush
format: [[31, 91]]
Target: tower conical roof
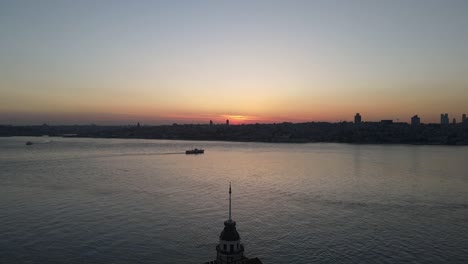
[[229, 232]]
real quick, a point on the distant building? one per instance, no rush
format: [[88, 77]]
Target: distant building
[[444, 119], [386, 122], [464, 120], [227, 122], [454, 121], [357, 118], [211, 122], [415, 120], [230, 250]]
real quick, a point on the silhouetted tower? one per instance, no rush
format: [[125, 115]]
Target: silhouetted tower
[[464, 118], [138, 124], [415, 120], [229, 249], [454, 121], [444, 119], [211, 122], [357, 118], [227, 122]]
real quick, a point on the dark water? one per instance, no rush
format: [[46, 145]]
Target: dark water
[[140, 201]]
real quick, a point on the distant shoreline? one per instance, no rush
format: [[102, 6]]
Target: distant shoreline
[[373, 133], [263, 142]]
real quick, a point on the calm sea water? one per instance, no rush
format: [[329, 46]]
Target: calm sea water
[[142, 201]]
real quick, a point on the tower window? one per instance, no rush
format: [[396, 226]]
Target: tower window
[[231, 248], [225, 247]]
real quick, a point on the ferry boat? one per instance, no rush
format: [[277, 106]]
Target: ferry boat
[[29, 143], [195, 151]]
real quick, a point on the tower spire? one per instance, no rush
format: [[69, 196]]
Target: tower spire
[[229, 201]]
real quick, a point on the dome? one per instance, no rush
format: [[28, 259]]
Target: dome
[[229, 232]]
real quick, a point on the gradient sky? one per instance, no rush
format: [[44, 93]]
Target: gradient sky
[[158, 62]]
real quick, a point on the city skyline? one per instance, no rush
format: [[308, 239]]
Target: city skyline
[[250, 62], [444, 119]]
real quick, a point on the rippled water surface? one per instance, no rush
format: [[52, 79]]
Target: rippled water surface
[[143, 201]]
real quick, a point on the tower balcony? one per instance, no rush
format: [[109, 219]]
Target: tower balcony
[[227, 252]]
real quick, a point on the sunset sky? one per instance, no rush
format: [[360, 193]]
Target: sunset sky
[[159, 62]]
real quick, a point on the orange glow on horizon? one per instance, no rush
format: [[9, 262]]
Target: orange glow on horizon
[[236, 119]]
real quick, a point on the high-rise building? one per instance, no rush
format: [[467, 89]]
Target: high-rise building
[[464, 120], [230, 250], [444, 119], [415, 120], [211, 122], [227, 122], [454, 121], [357, 118]]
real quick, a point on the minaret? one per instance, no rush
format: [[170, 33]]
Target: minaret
[[229, 249]]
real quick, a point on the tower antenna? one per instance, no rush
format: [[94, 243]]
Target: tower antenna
[[229, 201]]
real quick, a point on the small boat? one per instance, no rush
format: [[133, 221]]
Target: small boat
[[195, 151], [29, 143]]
